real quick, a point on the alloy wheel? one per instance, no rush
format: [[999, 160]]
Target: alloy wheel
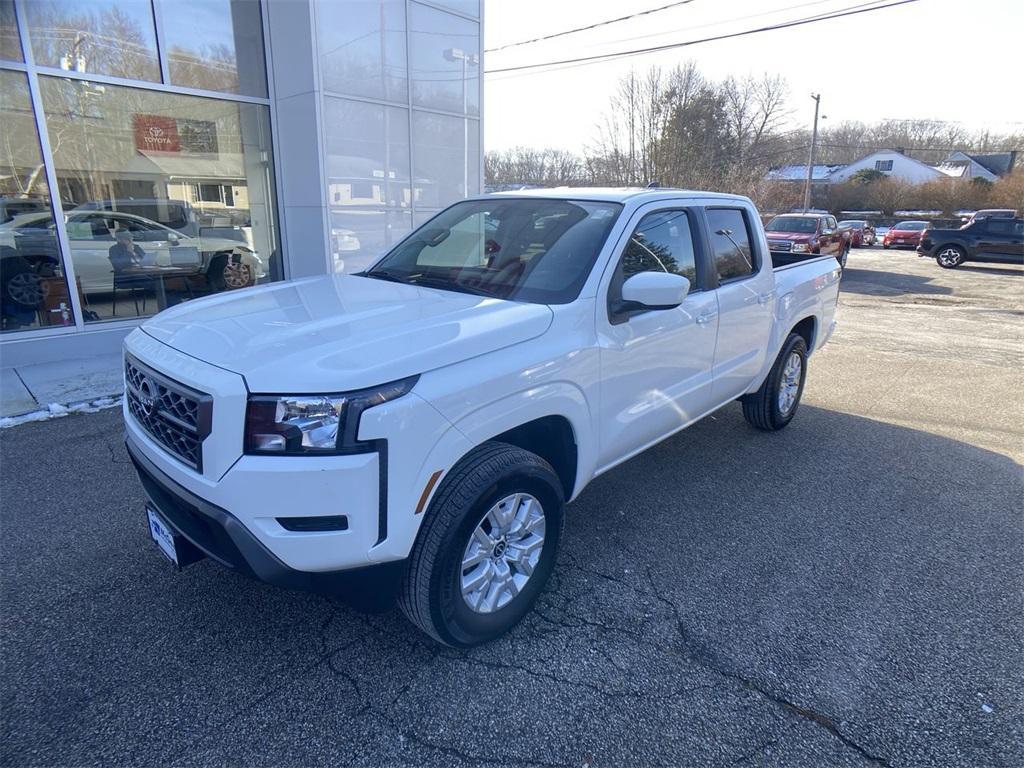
[[949, 257], [502, 553], [237, 275], [26, 289], [789, 387]]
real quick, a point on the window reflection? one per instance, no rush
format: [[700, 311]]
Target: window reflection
[[167, 197], [216, 45], [110, 37], [362, 48], [10, 47], [468, 7], [360, 237], [444, 61], [447, 158], [367, 154], [33, 291]]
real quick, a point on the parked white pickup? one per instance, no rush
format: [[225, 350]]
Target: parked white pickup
[[430, 418]]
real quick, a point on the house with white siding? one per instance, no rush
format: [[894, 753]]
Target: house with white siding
[[893, 164]]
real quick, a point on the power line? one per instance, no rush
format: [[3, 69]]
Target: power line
[[595, 25], [850, 11], [691, 27]]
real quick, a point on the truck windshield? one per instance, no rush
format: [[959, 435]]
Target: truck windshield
[[793, 224], [534, 250]]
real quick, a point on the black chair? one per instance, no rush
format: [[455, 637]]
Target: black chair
[[136, 284]]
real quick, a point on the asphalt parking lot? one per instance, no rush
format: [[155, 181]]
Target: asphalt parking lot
[[845, 592]]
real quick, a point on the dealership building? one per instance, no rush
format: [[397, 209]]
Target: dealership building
[[156, 151]]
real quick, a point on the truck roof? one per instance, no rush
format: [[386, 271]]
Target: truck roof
[[616, 194]]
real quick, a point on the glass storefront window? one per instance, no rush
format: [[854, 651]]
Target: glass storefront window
[[33, 291], [444, 61], [447, 157], [10, 46], [360, 237], [468, 7], [166, 197], [216, 45], [362, 48], [367, 154], [109, 37]]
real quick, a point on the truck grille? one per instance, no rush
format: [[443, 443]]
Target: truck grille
[[176, 416], [780, 245]]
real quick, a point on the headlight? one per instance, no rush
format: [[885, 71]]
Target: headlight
[[313, 424], [800, 247]]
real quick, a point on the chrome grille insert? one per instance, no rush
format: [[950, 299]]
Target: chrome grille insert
[[780, 245], [176, 416]]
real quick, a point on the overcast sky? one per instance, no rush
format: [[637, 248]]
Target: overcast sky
[[942, 59]]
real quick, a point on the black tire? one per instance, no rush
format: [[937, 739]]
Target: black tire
[[431, 594], [19, 283], [761, 408], [950, 256]]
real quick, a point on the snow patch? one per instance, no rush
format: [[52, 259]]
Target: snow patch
[[58, 410]]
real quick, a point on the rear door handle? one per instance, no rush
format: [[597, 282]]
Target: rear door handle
[[706, 317], [764, 298]]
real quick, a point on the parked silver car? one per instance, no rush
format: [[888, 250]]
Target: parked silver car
[[226, 263]]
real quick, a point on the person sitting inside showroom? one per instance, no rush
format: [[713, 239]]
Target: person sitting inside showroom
[[125, 253]]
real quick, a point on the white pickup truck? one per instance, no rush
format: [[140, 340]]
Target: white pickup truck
[[419, 427]]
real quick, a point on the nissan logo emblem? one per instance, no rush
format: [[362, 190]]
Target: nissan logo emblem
[[147, 396]]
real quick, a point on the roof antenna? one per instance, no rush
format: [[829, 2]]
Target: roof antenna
[[654, 185]]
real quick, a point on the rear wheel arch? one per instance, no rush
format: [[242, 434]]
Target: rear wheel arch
[[807, 329]]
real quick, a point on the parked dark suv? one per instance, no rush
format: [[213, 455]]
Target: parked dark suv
[[998, 240]]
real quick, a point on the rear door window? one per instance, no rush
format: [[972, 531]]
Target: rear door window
[[731, 243], [1001, 228]]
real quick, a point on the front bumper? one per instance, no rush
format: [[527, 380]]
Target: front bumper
[[219, 535]]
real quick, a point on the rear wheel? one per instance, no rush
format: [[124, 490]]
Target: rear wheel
[[20, 284], [774, 404], [486, 547], [950, 256]]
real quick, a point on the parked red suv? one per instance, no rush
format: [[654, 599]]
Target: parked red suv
[[809, 233], [906, 234]]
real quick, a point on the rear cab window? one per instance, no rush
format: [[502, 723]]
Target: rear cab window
[[731, 244]]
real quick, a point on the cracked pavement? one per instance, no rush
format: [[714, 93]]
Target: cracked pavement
[[845, 592]]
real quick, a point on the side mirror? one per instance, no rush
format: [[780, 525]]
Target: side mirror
[[654, 290]]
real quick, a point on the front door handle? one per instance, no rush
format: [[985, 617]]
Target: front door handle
[[764, 298], [706, 317]]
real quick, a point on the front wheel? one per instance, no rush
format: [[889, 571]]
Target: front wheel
[[486, 547], [774, 404], [950, 256]]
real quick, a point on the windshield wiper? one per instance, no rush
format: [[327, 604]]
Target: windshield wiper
[[448, 285], [418, 278], [383, 274]]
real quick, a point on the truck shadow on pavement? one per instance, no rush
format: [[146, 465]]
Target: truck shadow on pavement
[[991, 269], [844, 592], [874, 282]]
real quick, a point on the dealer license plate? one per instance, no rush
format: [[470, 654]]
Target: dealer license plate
[[162, 535], [900, 240]]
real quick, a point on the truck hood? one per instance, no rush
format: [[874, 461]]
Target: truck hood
[[339, 333]]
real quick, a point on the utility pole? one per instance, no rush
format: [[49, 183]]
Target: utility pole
[[810, 158]]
